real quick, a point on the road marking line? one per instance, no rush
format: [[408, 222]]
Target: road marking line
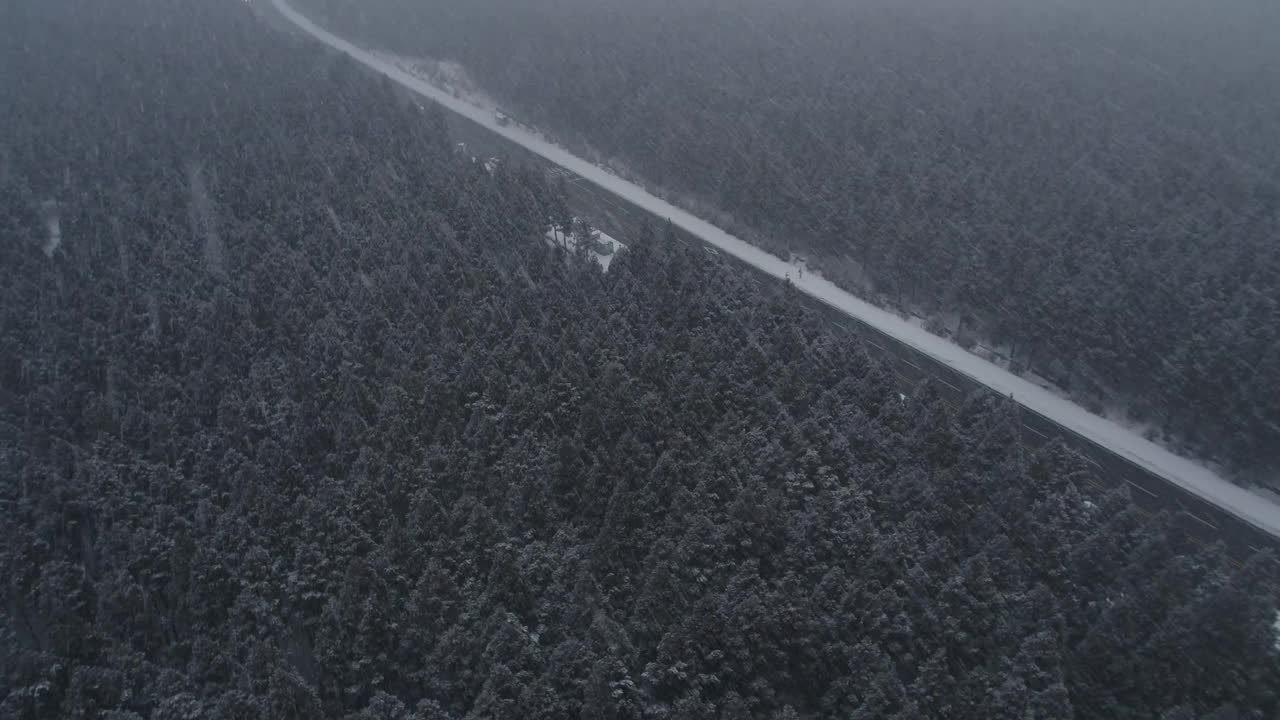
[[1199, 519], [1093, 462], [953, 387], [1134, 484], [878, 347], [908, 362], [1255, 549], [1037, 432]]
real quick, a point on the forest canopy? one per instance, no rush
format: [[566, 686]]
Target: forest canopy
[[301, 417], [1091, 188]]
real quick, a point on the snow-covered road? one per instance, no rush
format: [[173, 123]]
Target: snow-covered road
[[1192, 476]]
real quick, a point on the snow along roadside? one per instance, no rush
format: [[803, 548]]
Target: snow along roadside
[[1196, 478]]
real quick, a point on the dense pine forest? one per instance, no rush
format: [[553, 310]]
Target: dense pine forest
[[300, 417], [1090, 186]]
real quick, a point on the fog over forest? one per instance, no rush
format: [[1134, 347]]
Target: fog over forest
[[1092, 188], [308, 412]]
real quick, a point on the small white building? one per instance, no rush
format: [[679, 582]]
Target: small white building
[[603, 249]]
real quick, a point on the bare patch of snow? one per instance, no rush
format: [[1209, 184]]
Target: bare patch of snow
[[1042, 381], [1277, 629], [53, 227], [54, 239], [994, 355], [6, 164], [333, 219], [204, 220], [446, 75], [1270, 493], [153, 319], [604, 248]]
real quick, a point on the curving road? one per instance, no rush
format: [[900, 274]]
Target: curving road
[[1212, 507]]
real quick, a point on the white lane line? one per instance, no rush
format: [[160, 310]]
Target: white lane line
[[875, 345], [1035, 431], [953, 387], [1199, 519], [1134, 484], [908, 362]]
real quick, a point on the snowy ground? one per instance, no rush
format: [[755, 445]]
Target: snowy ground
[[54, 239], [1195, 478], [444, 75], [53, 227], [558, 237]]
